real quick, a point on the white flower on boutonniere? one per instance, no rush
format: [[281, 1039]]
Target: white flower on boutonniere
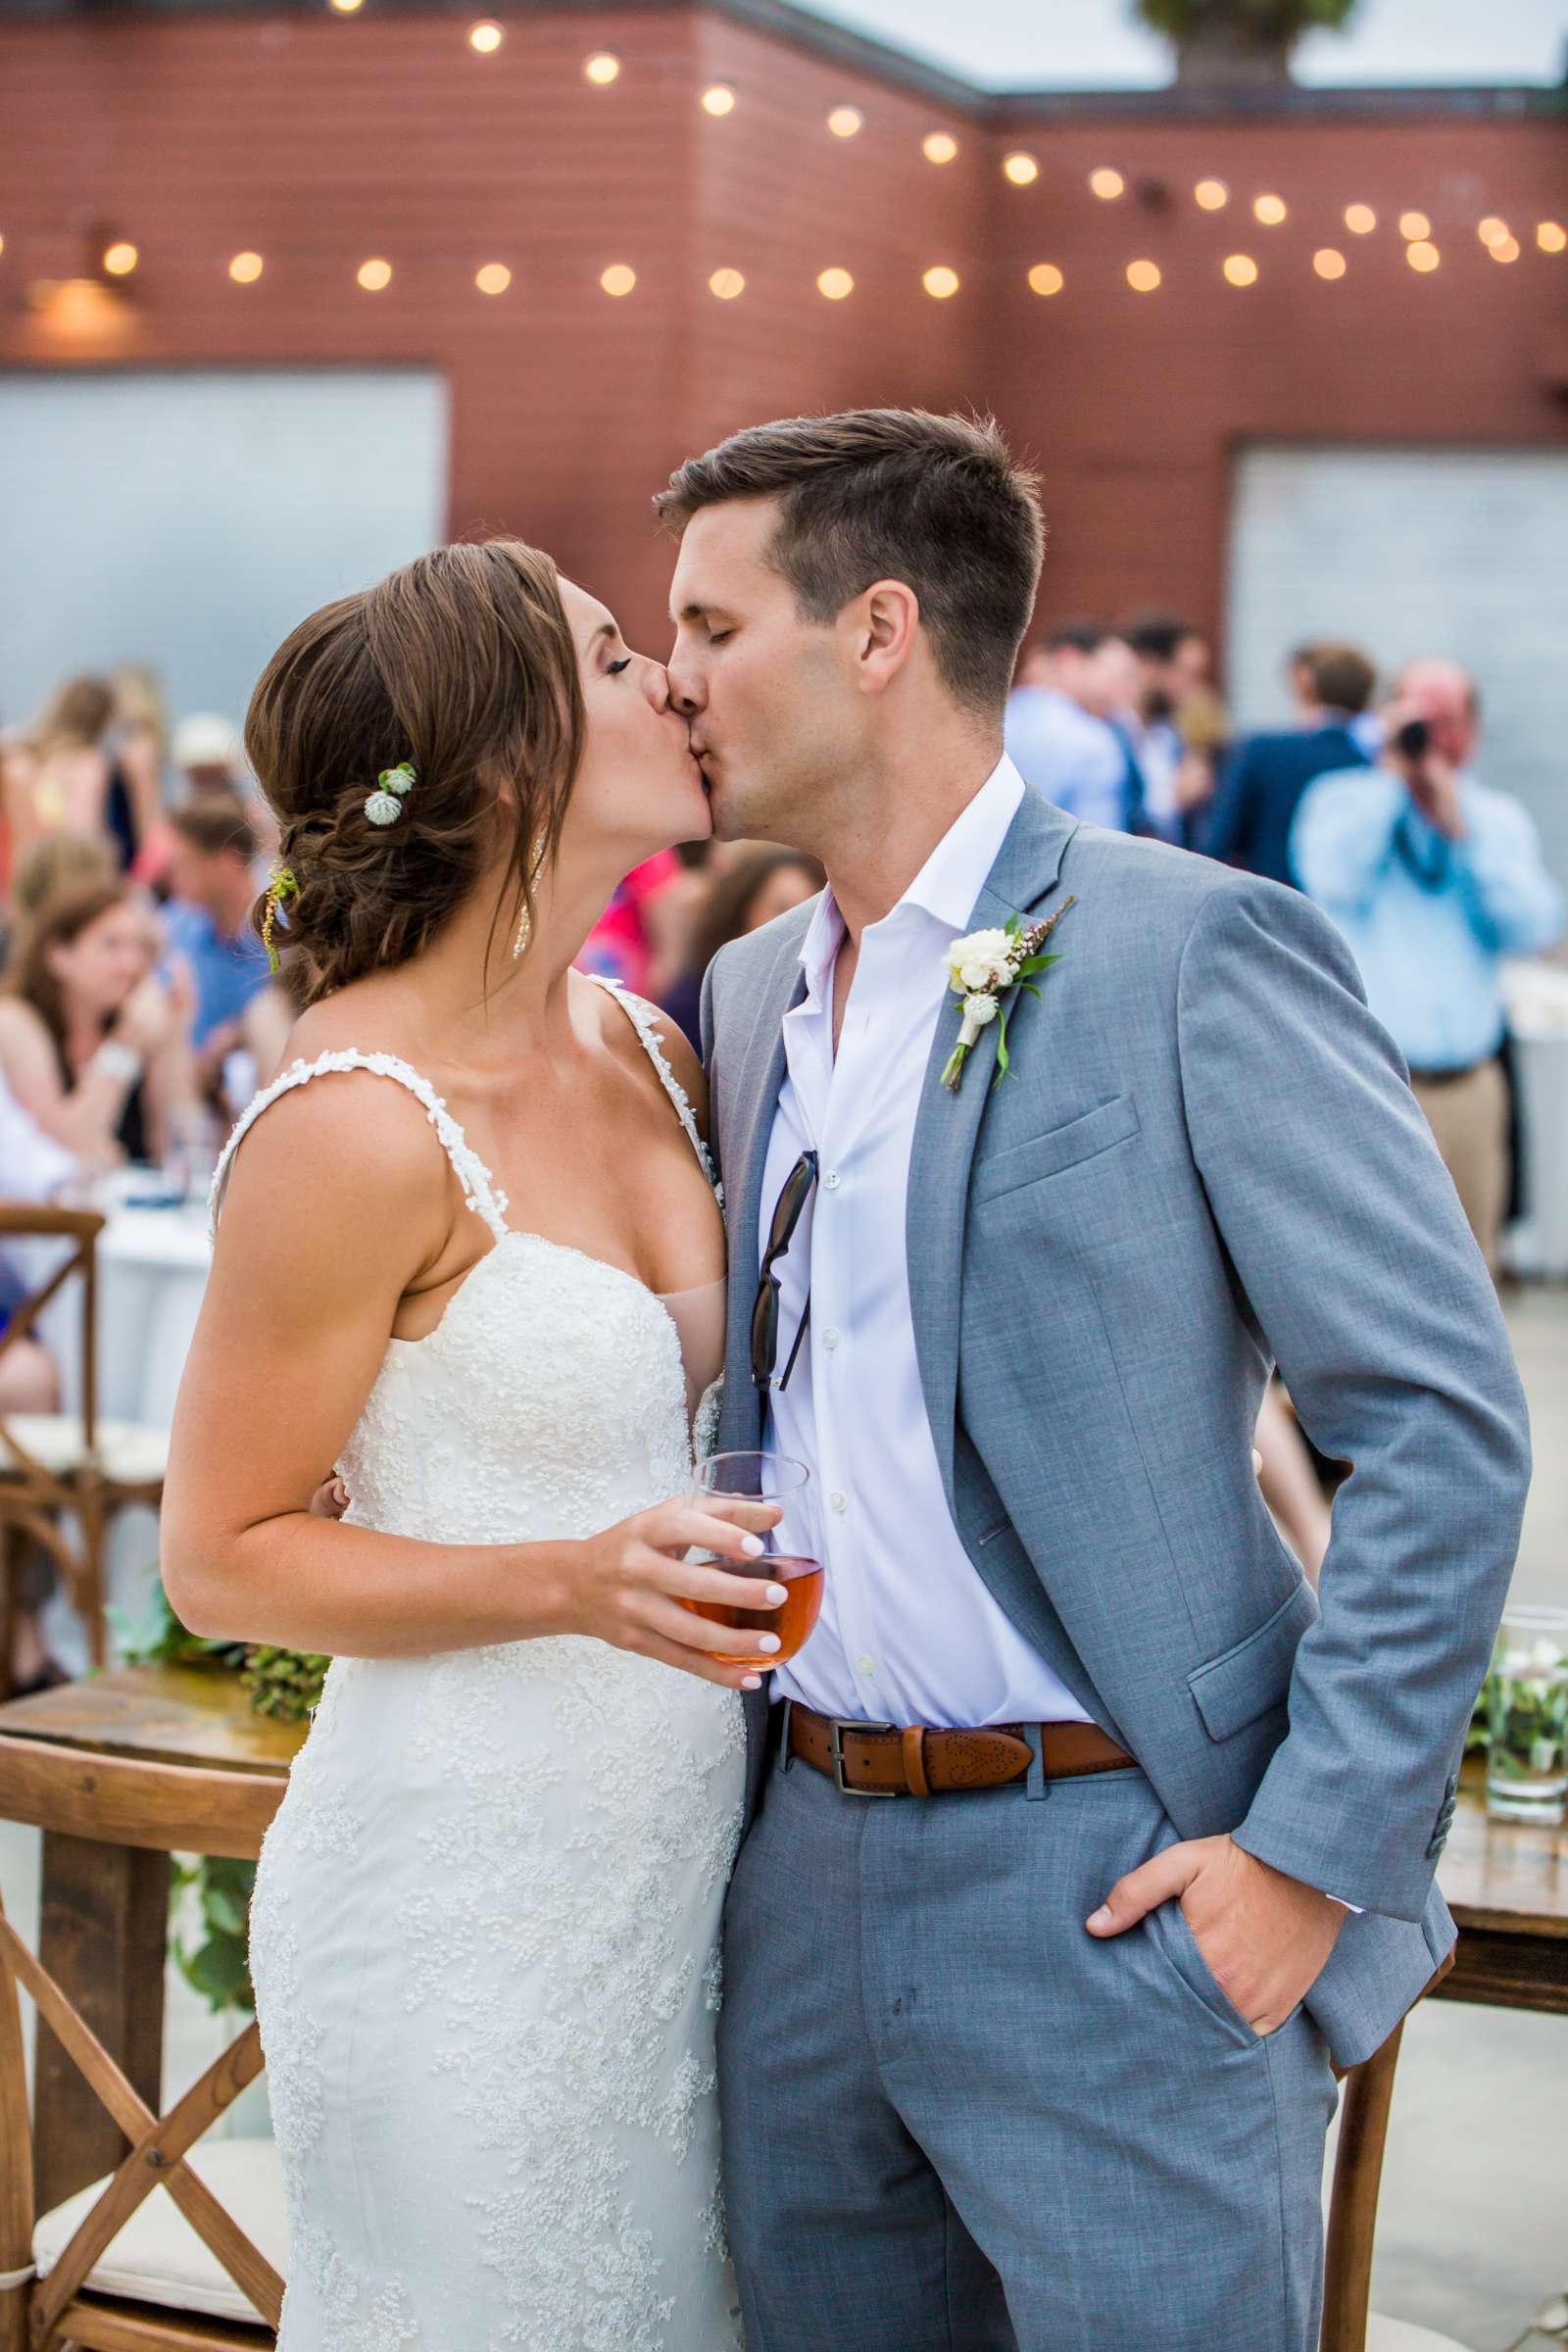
[[984, 969]]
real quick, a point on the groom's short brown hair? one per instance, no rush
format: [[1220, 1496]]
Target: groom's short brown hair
[[936, 501]]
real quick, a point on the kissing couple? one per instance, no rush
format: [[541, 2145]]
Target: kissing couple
[[1080, 1838]]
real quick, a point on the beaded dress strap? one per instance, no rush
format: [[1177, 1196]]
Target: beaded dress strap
[[478, 1188], [644, 1018]]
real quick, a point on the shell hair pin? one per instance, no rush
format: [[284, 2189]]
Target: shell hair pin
[[385, 805]]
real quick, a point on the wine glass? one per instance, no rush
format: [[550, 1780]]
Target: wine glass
[[771, 1497]]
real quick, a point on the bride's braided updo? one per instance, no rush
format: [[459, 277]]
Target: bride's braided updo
[[461, 665]]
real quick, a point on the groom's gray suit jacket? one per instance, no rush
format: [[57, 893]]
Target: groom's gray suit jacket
[[1206, 1159]]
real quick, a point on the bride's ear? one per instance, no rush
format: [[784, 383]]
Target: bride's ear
[[889, 628]]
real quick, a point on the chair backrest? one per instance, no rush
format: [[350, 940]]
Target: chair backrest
[[79, 1230]]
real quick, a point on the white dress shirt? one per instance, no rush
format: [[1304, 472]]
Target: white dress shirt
[[909, 1632]]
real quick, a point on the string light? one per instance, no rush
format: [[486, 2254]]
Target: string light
[[1328, 262], [375, 275], [2, 244], [1106, 184], [939, 147], [726, 284], [1212, 194], [941, 283], [846, 122], [494, 278], [1270, 210], [1046, 278], [1240, 269], [1360, 220], [1414, 227], [1552, 236], [602, 68], [121, 260], [1422, 256], [245, 268], [835, 284], [487, 38], [1492, 230], [719, 100], [1022, 170], [1504, 249], [346, 8], [617, 279], [1142, 276]]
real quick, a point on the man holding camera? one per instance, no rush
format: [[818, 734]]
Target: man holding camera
[[1433, 878]]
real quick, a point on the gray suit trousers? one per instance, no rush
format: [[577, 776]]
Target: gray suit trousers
[[956, 2121]]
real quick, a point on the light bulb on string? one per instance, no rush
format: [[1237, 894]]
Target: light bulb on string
[[1504, 249], [1360, 220], [1022, 170], [1240, 269], [1492, 230], [602, 68], [941, 283], [121, 260], [1269, 210], [618, 280], [1106, 183], [846, 122], [1327, 262], [485, 39], [1414, 227], [719, 100], [375, 275], [494, 278], [835, 285], [1422, 256], [1552, 236], [346, 8], [939, 147], [1212, 195], [245, 268], [726, 284], [1046, 278], [1142, 276]]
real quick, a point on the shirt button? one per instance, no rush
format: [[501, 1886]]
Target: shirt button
[[830, 1338], [865, 1665], [832, 1180], [838, 1502]]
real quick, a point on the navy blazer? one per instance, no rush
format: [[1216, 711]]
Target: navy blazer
[[1259, 789]]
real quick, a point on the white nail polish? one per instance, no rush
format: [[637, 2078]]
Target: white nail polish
[[753, 1682], [767, 1642], [752, 1546], [777, 1593]]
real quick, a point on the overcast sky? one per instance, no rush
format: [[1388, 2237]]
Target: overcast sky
[[1096, 44]]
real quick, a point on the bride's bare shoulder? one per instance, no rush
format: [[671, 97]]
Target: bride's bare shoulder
[[652, 1020]]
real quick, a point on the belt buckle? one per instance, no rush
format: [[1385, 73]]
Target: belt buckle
[[838, 1725]]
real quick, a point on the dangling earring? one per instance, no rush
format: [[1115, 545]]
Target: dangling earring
[[525, 922]]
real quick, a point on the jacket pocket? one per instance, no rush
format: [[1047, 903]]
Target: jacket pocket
[[1247, 1680], [1058, 1149]]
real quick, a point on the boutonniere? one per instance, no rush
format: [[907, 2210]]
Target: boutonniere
[[984, 969]]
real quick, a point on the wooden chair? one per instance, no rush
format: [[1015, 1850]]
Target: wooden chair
[[71, 1466], [1349, 2323], [161, 1808]]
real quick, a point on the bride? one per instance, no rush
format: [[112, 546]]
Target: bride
[[470, 1256]]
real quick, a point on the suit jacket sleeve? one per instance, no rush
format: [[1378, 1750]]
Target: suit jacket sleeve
[[1346, 1236]]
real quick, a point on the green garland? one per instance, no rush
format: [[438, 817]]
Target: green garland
[[284, 1683]]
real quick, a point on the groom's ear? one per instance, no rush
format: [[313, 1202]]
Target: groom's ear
[[887, 625]]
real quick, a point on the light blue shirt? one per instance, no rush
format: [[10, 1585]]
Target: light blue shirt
[[1427, 919], [1077, 760]]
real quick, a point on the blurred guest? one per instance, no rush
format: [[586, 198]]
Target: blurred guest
[[92, 1043], [57, 863], [32, 1168], [636, 939], [1433, 878], [210, 764], [742, 897], [1263, 778], [57, 769], [1060, 731], [137, 750], [1174, 665], [207, 919]]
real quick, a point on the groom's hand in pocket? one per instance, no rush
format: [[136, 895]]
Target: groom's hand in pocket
[[1265, 1939]]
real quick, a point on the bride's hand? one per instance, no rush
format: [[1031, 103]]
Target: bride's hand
[[628, 1586]]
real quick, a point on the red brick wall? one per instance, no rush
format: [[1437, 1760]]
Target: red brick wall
[[320, 141]]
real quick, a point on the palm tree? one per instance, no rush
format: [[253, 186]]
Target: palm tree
[[1239, 43]]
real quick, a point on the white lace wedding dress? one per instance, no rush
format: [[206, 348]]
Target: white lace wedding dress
[[486, 1917]]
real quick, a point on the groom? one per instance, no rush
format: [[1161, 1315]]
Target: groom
[[1081, 1835]]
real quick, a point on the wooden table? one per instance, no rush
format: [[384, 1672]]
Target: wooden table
[[1506, 1882], [104, 1925]]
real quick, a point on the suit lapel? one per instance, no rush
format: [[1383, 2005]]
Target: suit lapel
[[947, 1126], [748, 1128]]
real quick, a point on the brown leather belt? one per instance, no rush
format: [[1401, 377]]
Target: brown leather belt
[[879, 1760]]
